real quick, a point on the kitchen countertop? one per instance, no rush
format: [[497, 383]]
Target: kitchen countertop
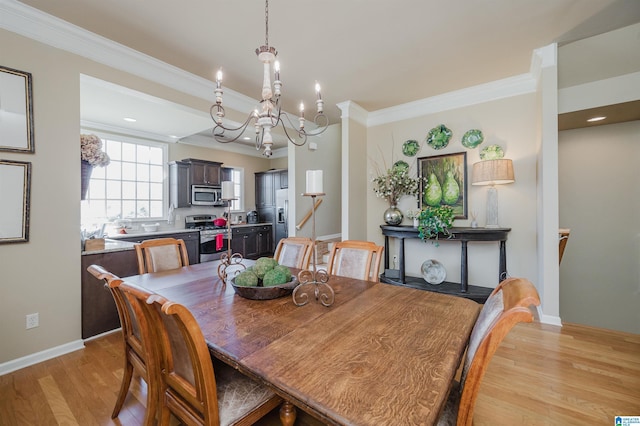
[[112, 243]]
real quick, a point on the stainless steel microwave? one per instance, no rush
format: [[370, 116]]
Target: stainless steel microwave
[[203, 195]]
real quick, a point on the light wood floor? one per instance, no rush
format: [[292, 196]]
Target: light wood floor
[[541, 375]]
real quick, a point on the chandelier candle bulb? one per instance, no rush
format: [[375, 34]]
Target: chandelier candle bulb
[[276, 68], [219, 78], [314, 182], [227, 190]]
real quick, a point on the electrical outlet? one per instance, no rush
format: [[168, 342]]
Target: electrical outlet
[[395, 261], [33, 320]]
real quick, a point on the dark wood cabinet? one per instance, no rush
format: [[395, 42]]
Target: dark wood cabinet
[[284, 179], [98, 311], [265, 189], [191, 240], [179, 184], [204, 172], [252, 241]]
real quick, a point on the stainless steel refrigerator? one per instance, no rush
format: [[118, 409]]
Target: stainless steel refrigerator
[[282, 215]]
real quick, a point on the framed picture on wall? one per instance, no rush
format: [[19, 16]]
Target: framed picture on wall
[[444, 182], [16, 111], [15, 187]]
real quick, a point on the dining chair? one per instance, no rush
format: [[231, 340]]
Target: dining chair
[[355, 259], [190, 389], [136, 356], [509, 303], [161, 254], [294, 252]]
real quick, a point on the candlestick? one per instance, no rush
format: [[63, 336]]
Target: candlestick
[[314, 182], [315, 279]]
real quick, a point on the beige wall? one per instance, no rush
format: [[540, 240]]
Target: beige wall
[[53, 288], [600, 203], [508, 123], [327, 159]]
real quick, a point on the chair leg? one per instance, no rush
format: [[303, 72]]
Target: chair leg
[[124, 388], [153, 405], [287, 414]]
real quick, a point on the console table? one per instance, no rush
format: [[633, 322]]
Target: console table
[[458, 234]]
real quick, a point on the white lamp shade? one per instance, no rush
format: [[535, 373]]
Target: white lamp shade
[[493, 172]]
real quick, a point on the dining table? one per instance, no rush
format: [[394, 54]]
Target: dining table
[[381, 354]]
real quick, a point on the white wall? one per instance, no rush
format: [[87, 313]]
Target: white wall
[[600, 203]]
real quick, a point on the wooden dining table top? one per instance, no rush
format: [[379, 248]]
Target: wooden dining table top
[[380, 355]]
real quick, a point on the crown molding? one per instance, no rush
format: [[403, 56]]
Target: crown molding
[[37, 25], [492, 91], [91, 125], [353, 111]]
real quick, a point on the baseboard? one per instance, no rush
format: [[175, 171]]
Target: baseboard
[[26, 361], [329, 237], [106, 333], [550, 319]]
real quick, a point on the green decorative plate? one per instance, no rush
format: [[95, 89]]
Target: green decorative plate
[[438, 137], [410, 148], [491, 152], [401, 165], [472, 138]]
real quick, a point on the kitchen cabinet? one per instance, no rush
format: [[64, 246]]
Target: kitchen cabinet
[[284, 179], [204, 172], [252, 241], [191, 240], [180, 184], [265, 189], [98, 311]]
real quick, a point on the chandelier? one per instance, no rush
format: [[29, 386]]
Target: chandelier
[[269, 112]]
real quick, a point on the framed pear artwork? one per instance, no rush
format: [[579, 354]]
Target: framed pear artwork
[[444, 182]]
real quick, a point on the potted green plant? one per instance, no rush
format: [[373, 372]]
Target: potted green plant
[[433, 221]]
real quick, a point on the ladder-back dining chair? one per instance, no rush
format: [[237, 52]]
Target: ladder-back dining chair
[[294, 252], [509, 303], [135, 355], [190, 390], [356, 259], [161, 254]]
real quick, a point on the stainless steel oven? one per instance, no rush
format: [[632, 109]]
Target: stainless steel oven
[[213, 240]]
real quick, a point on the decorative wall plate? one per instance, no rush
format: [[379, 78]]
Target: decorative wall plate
[[401, 165], [410, 148], [472, 138], [491, 152], [433, 271], [438, 137]]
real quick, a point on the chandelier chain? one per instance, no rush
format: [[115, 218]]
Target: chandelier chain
[[266, 23]]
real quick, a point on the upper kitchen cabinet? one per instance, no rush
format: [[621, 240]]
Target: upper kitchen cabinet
[[204, 172], [180, 184], [264, 190]]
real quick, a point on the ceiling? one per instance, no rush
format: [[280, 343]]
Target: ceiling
[[373, 52]]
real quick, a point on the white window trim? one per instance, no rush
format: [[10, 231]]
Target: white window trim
[[140, 141]]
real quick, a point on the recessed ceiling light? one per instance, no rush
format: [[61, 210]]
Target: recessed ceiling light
[[130, 120], [174, 137], [591, 120], [247, 138]]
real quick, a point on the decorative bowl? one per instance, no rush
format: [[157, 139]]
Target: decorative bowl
[[265, 293], [433, 271]]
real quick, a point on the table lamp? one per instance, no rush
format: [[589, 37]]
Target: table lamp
[[492, 172]]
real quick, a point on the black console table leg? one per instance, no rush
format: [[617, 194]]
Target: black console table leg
[[401, 261], [386, 252], [464, 269], [503, 261]]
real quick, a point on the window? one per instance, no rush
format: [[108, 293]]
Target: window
[[236, 176], [131, 186]]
